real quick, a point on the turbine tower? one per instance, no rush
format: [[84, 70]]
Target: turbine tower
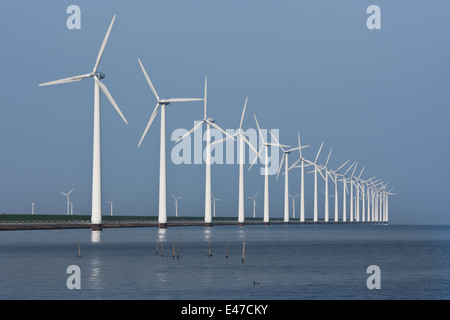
[[176, 204], [68, 200], [163, 103], [96, 214], [209, 122]]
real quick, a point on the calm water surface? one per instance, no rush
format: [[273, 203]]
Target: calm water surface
[[285, 262]]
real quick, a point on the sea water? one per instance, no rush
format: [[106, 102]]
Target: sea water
[[280, 262]]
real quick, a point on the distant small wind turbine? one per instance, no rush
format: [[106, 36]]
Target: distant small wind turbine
[[68, 200], [214, 199], [111, 206], [176, 204], [293, 204], [32, 208], [254, 203]]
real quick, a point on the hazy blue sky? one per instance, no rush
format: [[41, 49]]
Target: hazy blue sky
[[380, 97]]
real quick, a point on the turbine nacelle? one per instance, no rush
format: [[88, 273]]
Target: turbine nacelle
[[163, 101], [97, 74], [211, 120]]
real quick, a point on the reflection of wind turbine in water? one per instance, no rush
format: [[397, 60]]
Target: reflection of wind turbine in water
[[163, 103], [209, 122], [96, 218], [254, 203], [176, 204], [68, 200]]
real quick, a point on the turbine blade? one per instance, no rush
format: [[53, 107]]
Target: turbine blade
[[342, 165], [326, 164], [70, 191], [250, 145], [259, 129], [317, 156], [66, 80], [100, 53], [110, 98], [148, 80], [243, 113], [149, 123], [183, 100], [219, 128], [256, 157], [299, 145], [198, 125], [281, 165]]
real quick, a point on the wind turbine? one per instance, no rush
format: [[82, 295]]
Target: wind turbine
[[254, 203], [293, 204], [326, 186], [351, 193], [214, 199], [209, 122], [111, 207], [344, 192], [163, 103], [285, 159], [302, 178], [96, 214], [68, 200], [315, 183], [242, 139], [335, 180], [176, 204], [32, 208]]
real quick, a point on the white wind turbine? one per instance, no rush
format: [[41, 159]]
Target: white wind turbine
[[209, 122], [265, 145], [176, 204], [285, 159], [68, 200], [242, 139], [111, 207], [335, 180], [302, 178], [96, 218], [293, 204], [325, 167], [254, 203], [214, 199], [352, 182], [162, 213], [344, 192], [316, 166]]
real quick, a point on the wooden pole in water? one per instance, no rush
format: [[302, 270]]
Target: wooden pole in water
[[162, 244], [178, 250], [79, 250], [173, 250], [157, 246], [243, 251], [227, 252]]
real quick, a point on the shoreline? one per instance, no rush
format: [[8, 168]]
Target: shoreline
[[12, 226]]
